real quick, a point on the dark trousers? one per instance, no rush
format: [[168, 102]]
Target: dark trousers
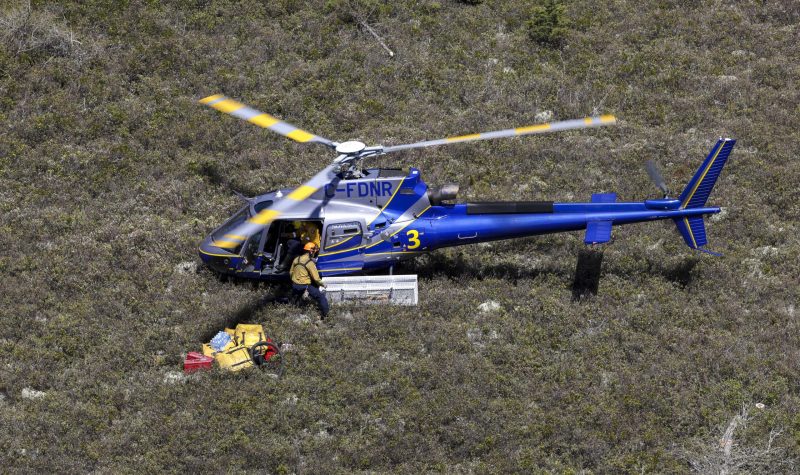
[[293, 249], [315, 294]]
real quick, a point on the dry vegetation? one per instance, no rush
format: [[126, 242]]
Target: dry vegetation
[[110, 174]]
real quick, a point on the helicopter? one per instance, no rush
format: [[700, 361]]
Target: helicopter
[[369, 219]]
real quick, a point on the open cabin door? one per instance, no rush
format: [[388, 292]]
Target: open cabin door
[[283, 243], [253, 257]]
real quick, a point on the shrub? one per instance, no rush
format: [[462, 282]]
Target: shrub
[[548, 25]]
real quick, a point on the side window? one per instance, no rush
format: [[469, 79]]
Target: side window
[[341, 233]]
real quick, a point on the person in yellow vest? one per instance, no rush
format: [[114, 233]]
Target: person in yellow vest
[[305, 277]]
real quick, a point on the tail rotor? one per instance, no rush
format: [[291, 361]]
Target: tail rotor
[[656, 177]]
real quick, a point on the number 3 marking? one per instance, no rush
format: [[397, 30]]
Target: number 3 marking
[[413, 239]]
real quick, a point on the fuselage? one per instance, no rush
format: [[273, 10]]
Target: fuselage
[[368, 224]]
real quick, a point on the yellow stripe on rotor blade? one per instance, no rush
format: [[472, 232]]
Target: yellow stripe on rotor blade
[[226, 244], [301, 192], [264, 120], [587, 121], [463, 137], [227, 106], [264, 217], [532, 128], [235, 236], [300, 135], [608, 118], [213, 98]]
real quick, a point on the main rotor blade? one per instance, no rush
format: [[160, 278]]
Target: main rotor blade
[[240, 233], [261, 119], [527, 130]]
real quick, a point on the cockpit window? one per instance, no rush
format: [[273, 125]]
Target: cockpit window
[[262, 205], [234, 221]]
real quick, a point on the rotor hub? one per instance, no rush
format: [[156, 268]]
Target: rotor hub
[[350, 148]]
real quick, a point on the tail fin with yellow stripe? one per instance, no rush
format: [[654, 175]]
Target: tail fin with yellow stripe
[[696, 192], [695, 195]]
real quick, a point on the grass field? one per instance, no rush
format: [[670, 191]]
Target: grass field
[[111, 174]]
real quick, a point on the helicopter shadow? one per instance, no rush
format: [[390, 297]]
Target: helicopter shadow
[[455, 267], [585, 282], [587, 274]]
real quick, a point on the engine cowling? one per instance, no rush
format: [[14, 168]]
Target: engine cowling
[[445, 193]]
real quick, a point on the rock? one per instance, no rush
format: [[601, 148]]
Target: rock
[[286, 347], [477, 336], [30, 393], [188, 267], [345, 316], [754, 267], [538, 182], [767, 251], [474, 335], [544, 116], [302, 318], [656, 245], [174, 377], [488, 307], [719, 216]]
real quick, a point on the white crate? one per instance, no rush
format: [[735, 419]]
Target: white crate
[[377, 289]]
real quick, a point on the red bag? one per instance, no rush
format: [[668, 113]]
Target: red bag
[[196, 361]]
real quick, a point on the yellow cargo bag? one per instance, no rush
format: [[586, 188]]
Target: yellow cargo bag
[[235, 359], [236, 354]]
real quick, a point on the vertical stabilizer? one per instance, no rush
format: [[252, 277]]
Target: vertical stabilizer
[[693, 230], [696, 192], [695, 195]]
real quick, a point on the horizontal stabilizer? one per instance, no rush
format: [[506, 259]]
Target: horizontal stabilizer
[[598, 232]]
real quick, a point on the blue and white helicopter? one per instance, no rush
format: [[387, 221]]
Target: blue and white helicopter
[[371, 218]]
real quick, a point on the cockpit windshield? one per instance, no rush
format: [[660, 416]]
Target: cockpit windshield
[[234, 221]]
